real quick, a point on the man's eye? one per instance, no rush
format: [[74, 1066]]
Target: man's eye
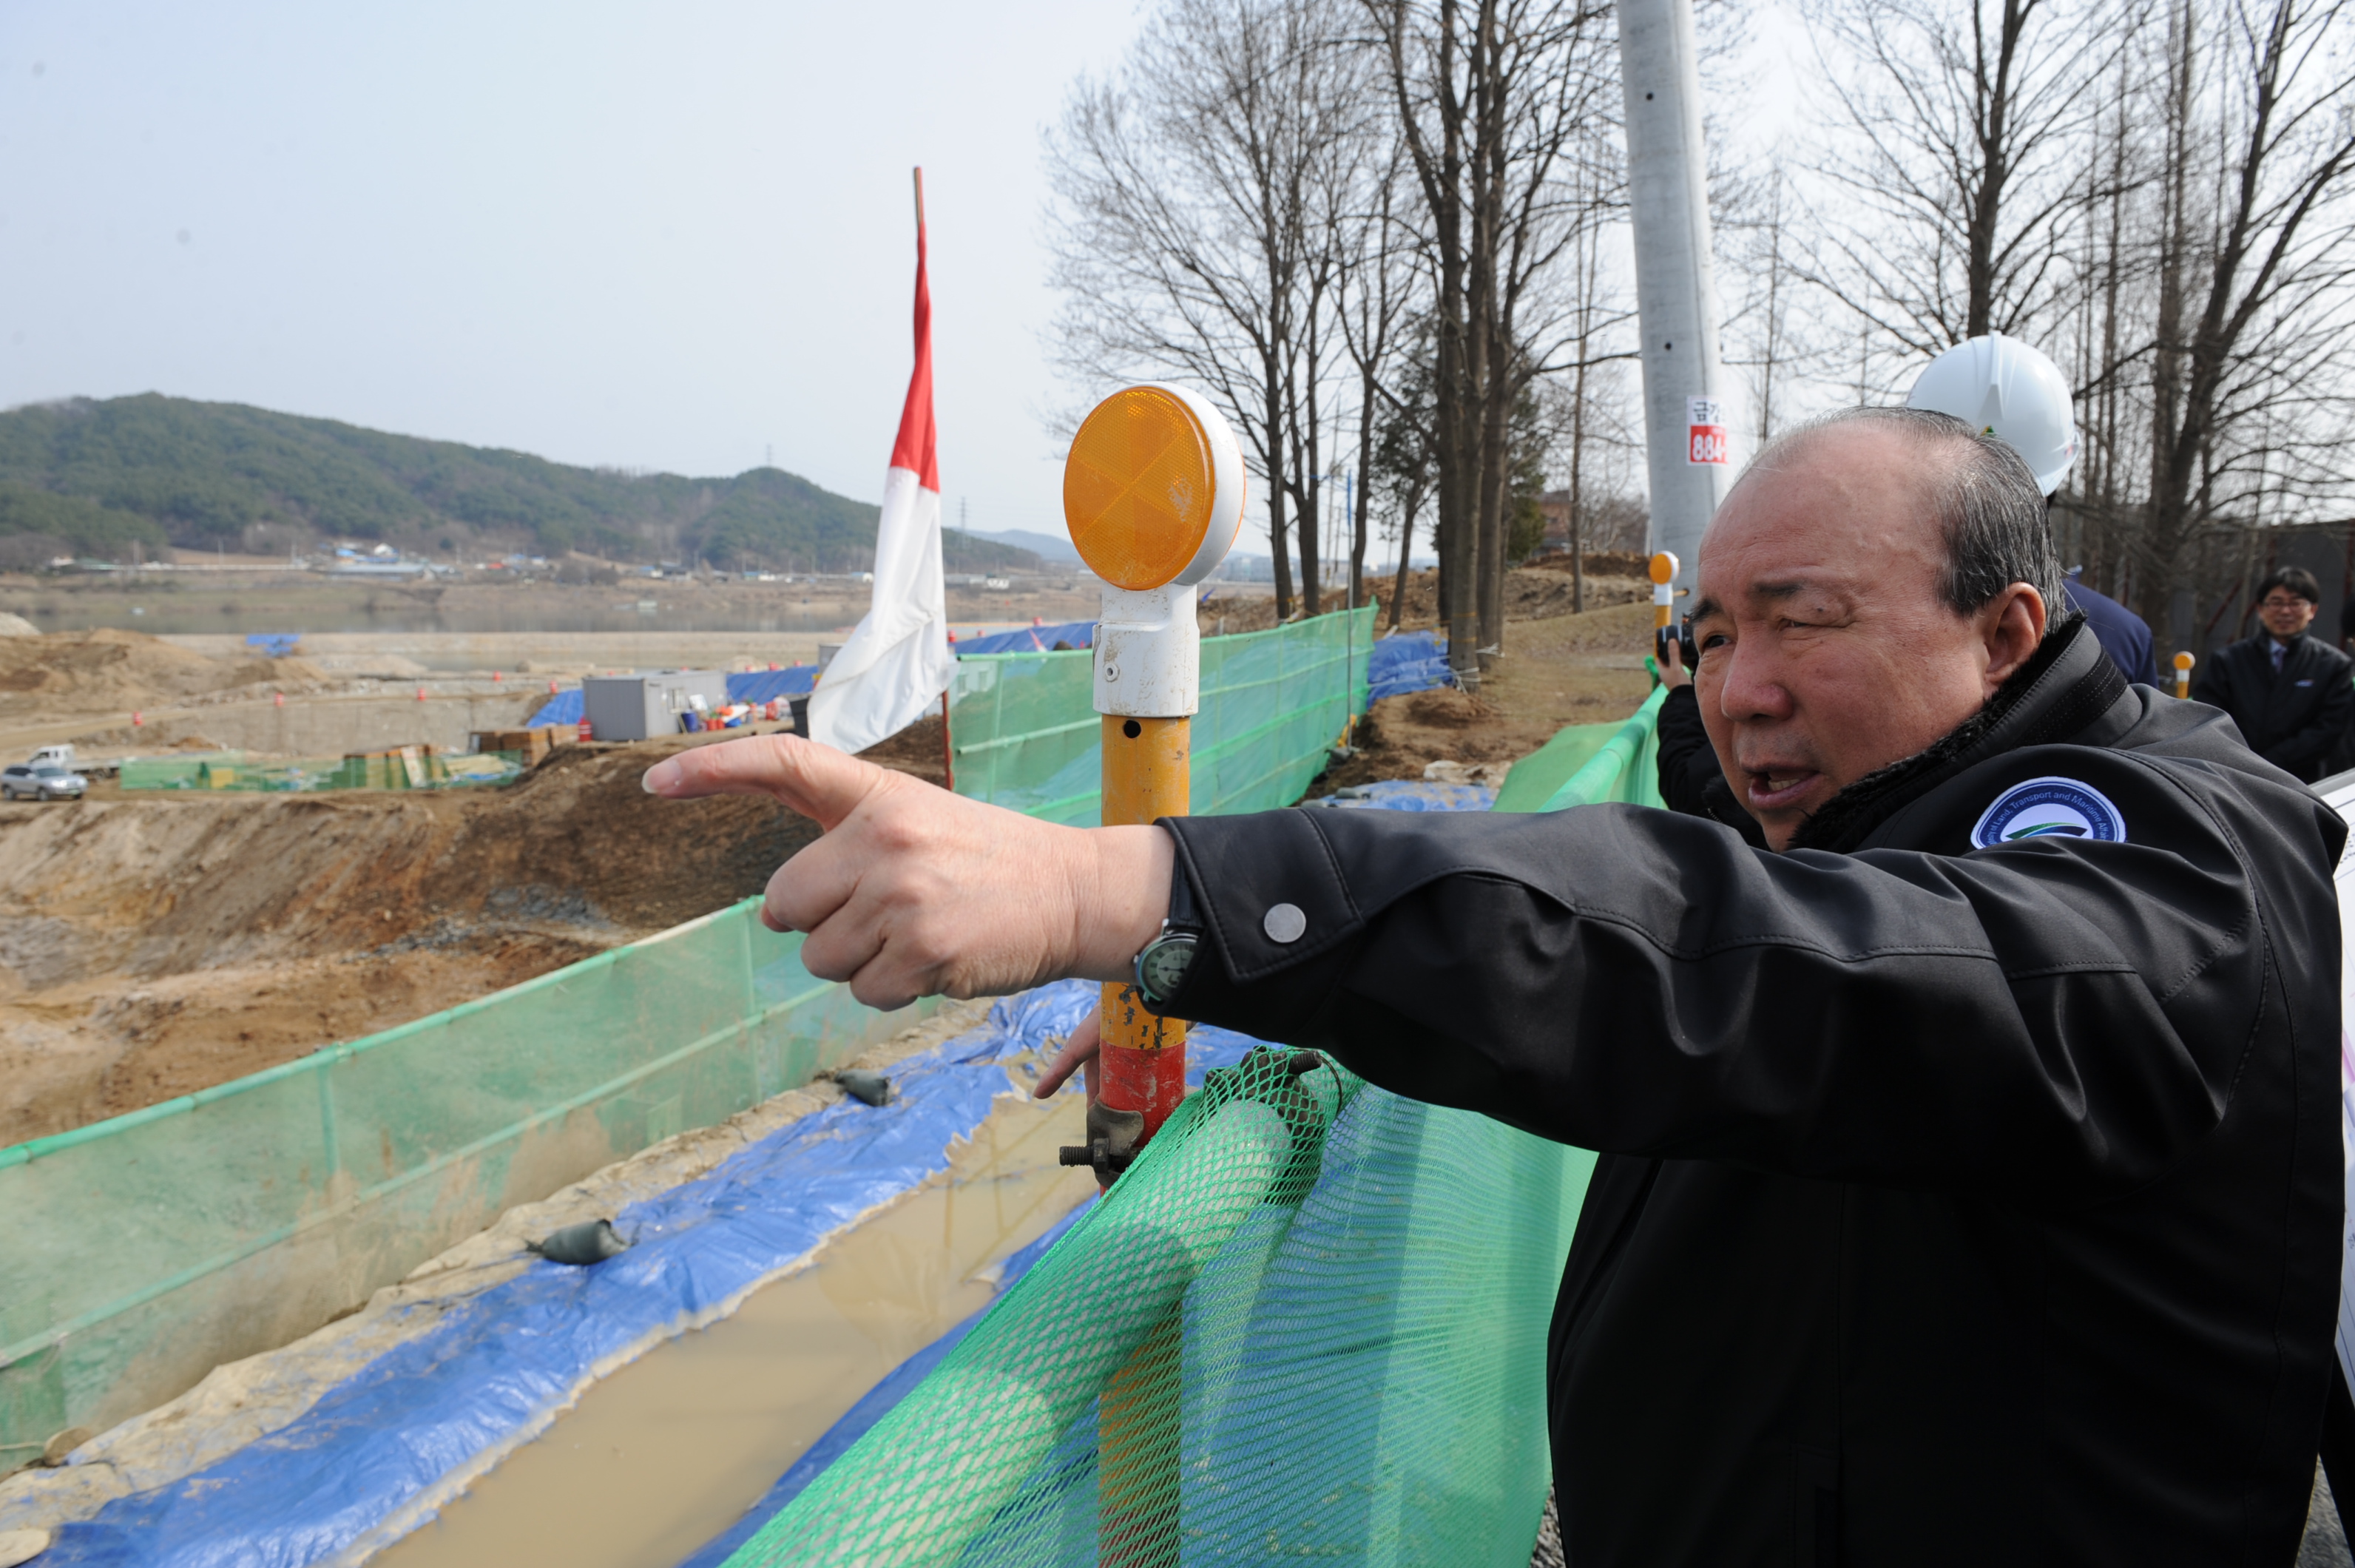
[[1713, 640]]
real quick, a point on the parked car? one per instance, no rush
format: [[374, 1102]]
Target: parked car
[[40, 781]]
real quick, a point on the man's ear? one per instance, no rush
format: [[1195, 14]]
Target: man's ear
[[2013, 625]]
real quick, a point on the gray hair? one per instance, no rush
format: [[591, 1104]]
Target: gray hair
[[1988, 507]]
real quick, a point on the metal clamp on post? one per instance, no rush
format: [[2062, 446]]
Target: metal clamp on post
[[1150, 653], [1112, 1139]]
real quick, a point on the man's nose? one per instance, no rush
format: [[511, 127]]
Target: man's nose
[[1752, 687]]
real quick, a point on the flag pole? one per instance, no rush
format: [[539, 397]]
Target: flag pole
[[948, 741]]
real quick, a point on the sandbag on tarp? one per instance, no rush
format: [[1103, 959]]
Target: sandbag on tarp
[[383, 1449]]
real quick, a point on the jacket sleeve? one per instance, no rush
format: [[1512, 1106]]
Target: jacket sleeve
[[2051, 1018], [2324, 730]]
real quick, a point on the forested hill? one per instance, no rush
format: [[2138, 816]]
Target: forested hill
[[92, 478]]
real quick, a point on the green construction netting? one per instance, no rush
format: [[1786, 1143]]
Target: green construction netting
[[244, 1216], [1309, 1325], [408, 768], [1025, 734], [143, 1250]]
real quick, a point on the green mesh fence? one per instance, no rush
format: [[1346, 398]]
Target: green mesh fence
[[244, 1216], [143, 1250], [1026, 735], [409, 768], [1309, 1325]]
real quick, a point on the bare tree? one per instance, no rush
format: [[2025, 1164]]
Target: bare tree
[[1490, 95], [1185, 230], [1947, 215], [2253, 269], [1379, 286]]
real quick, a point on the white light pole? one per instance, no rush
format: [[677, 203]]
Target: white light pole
[[1687, 426]]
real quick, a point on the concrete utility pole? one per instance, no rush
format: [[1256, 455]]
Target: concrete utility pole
[[1688, 433]]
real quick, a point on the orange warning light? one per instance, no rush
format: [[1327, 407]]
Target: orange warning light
[[1142, 490]]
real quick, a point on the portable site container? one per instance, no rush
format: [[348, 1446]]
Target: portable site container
[[638, 706]]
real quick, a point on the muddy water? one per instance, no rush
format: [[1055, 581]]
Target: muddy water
[[669, 1451]]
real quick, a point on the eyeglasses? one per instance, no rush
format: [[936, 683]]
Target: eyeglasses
[[2275, 601]]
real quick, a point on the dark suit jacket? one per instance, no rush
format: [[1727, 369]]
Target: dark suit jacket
[[2293, 719]]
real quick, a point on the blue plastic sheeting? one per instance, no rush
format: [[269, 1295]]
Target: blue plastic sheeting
[[275, 644], [1032, 639], [872, 1407], [1407, 661], [745, 685], [504, 1362], [772, 685], [1207, 1047], [1409, 795]]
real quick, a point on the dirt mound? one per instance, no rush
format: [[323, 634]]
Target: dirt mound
[[1444, 707], [152, 944], [1532, 594], [87, 672], [17, 627], [1570, 669]]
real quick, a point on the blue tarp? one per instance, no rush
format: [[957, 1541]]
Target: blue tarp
[[1032, 639], [1407, 661], [274, 644], [1411, 794], [502, 1360], [1206, 1046]]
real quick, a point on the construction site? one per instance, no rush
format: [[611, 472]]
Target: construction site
[[168, 945], [1263, 957]]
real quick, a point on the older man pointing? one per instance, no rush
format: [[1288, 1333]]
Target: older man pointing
[[1972, 1173]]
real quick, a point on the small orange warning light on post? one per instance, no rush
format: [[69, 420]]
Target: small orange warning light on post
[[1663, 572], [2183, 663]]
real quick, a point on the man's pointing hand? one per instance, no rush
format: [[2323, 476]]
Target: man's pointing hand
[[914, 891]]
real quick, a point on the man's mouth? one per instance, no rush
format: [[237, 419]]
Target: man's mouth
[[1772, 789]]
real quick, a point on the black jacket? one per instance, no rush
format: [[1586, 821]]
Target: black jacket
[[2293, 719], [1956, 1207]]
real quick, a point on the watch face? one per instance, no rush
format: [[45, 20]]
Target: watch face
[[1161, 967]]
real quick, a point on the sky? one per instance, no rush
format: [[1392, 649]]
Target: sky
[[673, 238], [670, 238]]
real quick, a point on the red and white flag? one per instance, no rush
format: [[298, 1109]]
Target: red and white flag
[[897, 662]]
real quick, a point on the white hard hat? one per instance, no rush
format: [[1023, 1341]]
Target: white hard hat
[[2002, 387]]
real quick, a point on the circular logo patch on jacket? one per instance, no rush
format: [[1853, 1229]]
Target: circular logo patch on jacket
[[2049, 808]]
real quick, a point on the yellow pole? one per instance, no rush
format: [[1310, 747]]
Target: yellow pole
[[1145, 767], [2183, 663]]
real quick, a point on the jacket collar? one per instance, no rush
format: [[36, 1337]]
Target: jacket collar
[[2067, 685]]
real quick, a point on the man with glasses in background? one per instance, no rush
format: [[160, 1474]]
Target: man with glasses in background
[[2288, 692]]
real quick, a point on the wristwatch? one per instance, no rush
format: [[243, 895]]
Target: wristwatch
[[1161, 964]]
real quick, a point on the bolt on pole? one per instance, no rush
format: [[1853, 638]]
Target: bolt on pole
[[1688, 427]]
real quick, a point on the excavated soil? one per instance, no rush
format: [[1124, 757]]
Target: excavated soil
[[154, 945], [93, 672]]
